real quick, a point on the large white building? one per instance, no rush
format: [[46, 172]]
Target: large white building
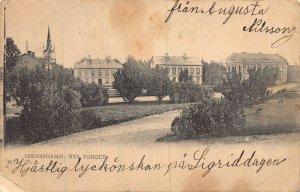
[[99, 71], [241, 62], [176, 64]]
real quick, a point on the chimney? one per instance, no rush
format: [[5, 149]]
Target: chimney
[[166, 55], [184, 55], [26, 45]]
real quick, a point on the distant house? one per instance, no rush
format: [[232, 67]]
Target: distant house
[[241, 62], [99, 71], [47, 60], [176, 64]]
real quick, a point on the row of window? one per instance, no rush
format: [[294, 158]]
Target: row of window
[[238, 69], [195, 79], [180, 69], [99, 81], [98, 72]]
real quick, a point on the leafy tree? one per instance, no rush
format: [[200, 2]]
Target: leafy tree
[[159, 83], [48, 108], [213, 73], [129, 81], [233, 88], [12, 53], [249, 91], [184, 76]]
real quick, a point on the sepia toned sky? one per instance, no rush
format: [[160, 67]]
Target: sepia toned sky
[[136, 27]]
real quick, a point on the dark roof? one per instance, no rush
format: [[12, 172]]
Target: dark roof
[[255, 57], [176, 60], [107, 63]]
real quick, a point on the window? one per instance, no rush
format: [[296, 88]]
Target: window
[[99, 72], [239, 69], [198, 79], [168, 70], [93, 74], [106, 72], [79, 72], [99, 81], [192, 71], [179, 70], [106, 80], [197, 71], [174, 70]]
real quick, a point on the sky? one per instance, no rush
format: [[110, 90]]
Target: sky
[[119, 28]]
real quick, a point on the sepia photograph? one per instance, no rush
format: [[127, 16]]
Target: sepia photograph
[[141, 95]]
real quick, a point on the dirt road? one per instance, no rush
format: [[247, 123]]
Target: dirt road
[[144, 130]]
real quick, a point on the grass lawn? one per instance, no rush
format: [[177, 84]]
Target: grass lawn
[[117, 113]]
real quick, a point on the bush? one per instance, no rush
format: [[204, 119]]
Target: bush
[[93, 95], [89, 119], [210, 118], [189, 92]]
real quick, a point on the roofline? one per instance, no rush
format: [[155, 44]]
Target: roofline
[[97, 68]]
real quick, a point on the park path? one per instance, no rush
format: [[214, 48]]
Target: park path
[[143, 131]]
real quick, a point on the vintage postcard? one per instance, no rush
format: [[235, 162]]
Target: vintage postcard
[[150, 95]]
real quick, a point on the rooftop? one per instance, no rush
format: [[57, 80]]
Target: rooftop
[[175, 60], [255, 57], [88, 63]]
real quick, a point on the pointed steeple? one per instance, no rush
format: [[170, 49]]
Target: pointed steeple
[[49, 53], [49, 45]]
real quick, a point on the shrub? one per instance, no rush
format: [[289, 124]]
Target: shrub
[[189, 92], [89, 119], [93, 95], [210, 118]]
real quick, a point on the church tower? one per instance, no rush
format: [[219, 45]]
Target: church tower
[[49, 52]]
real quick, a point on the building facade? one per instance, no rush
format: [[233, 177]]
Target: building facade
[[99, 71], [177, 64], [241, 62]]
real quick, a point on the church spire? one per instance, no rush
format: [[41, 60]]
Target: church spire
[[49, 53], [49, 45]]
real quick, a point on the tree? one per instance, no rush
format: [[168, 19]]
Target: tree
[[12, 53], [233, 88], [159, 83], [48, 107], [129, 80], [213, 73], [184, 76]]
